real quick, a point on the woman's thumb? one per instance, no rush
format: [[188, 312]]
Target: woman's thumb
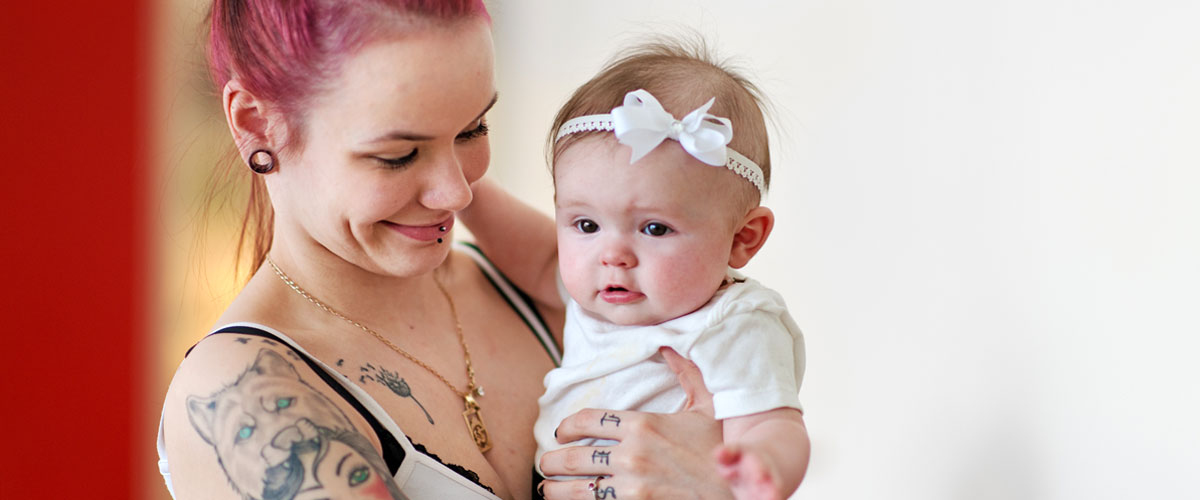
[[698, 397]]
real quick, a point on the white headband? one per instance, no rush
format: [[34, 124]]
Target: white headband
[[642, 124]]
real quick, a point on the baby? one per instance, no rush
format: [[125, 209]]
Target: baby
[[660, 163]]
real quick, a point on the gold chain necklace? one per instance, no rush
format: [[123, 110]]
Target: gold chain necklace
[[472, 413]]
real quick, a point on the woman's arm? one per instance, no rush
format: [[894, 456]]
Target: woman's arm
[[245, 418], [658, 455], [519, 239]]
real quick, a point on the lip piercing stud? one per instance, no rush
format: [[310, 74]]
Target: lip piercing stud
[[443, 228]]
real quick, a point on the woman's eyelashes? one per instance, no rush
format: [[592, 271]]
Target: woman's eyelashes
[[479, 131], [403, 161], [397, 162]]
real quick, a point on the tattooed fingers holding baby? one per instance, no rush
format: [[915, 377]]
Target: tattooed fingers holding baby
[[655, 456]]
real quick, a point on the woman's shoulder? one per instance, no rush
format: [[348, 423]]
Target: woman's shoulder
[[237, 399]]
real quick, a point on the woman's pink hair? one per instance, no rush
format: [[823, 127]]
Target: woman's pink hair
[[286, 51]]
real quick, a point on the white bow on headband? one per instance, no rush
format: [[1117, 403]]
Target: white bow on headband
[[642, 124]]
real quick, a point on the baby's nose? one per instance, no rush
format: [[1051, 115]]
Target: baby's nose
[[618, 255]]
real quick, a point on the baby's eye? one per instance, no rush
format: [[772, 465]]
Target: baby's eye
[[656, 229], [586, 226], [359, 476], [284, 403]]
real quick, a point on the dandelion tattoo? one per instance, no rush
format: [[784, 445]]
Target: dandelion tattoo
[[392, 381]]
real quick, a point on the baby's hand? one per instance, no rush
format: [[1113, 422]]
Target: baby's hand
[[749, 474]]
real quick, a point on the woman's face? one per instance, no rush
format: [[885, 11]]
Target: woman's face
[[390, 150]]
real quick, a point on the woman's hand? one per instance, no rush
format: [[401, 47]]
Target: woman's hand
[[657, 456]]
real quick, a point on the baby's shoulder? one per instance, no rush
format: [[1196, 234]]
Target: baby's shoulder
[[744, 296]]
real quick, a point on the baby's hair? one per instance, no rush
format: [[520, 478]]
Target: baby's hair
[[682, 74]]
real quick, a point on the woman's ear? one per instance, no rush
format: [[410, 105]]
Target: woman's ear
[[751, 236], [248, 119]]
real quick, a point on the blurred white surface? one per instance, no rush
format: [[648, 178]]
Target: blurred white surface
[[988, 226]]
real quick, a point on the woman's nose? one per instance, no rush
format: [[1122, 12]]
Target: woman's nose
[[617, 253], [447, 187]]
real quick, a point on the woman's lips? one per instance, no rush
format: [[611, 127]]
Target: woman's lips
[[424, 233], [619, 295]]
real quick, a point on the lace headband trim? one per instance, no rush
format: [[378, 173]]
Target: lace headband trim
[[642, 123]]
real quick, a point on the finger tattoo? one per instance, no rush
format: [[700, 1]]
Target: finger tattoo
[[610, 418], [600, 457]]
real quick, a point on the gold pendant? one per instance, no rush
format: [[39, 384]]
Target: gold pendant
[[474, 418]]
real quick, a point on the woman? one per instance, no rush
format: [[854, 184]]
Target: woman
[[365, 122]]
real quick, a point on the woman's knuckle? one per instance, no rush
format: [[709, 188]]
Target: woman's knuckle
[[640, 462], [646, 425], [638, 448], [621, 461]]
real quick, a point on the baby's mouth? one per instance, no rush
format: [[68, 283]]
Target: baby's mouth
[[614, 294]]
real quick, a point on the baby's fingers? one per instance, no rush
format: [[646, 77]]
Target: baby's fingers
[[727, 455]]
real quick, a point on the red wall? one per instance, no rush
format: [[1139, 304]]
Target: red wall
[[72, 152]]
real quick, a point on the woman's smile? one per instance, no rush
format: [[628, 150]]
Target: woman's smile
[[423, 232]]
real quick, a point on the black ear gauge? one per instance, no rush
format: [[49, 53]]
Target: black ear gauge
[[261, 161]]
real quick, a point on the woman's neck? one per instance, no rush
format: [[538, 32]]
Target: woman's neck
[[351, 288]]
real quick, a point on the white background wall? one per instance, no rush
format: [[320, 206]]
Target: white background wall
[[988, 226]]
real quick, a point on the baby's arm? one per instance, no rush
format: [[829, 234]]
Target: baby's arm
[[519, 239], [765, 455]]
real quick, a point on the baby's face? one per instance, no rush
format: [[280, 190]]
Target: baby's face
[[643, 243]]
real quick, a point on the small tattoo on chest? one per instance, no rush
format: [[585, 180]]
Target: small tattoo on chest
[[393, 382]]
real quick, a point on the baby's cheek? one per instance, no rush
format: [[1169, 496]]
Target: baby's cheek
[[688, 282], [573, 273]]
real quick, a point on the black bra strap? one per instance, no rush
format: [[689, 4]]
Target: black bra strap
[[393, 453]]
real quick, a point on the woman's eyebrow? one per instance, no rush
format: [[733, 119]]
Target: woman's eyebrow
[[412, 136]]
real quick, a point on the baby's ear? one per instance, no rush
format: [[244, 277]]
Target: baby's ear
[[751, 236]]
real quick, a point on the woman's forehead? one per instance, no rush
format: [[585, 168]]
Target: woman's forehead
[[430, 82]]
